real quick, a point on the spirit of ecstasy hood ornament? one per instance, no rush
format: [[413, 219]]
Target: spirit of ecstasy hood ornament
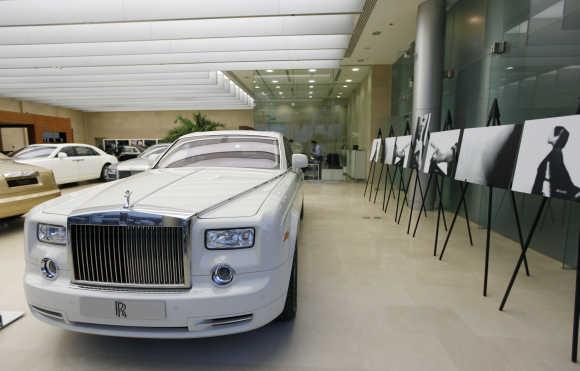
[[127, 198]]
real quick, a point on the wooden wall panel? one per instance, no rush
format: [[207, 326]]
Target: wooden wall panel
[[38, 124]]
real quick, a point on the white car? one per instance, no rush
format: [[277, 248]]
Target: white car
[[139, 164], [70, 162], [203, 244]]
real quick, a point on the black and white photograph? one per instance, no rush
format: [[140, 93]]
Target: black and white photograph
[[402, 151], [390, 150], [419, 144], [549, 158], [443, 153], [375, 150], [488, 155]]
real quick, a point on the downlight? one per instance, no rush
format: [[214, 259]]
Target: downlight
[[49, 269], [222, 275]]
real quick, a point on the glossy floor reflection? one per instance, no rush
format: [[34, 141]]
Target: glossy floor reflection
[[371, 298]]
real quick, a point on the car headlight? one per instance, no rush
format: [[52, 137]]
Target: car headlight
[[49, 233], [240, 238]]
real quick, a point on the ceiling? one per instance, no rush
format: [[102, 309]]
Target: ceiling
[[126, 55], [301, 84]]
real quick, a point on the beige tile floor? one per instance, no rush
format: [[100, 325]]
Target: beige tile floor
[[371, 298]]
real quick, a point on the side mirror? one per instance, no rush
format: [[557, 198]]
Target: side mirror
[[299, 161], [62, 155]]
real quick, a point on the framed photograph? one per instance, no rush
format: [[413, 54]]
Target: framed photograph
[[402, 150], [442, 153], [390, 150], [549, 158], [419, 144], [375, 150], [488, 155]]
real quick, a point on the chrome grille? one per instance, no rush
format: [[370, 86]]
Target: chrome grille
[[129, 255]]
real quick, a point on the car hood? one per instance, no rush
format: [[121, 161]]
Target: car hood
[[136, 164], [185, 190], [9, 166]]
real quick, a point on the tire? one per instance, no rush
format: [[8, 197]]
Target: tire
[[291, 306], [103, 177]]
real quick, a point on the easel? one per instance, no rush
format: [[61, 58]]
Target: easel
[[492, 120], [372, 170], [402, 186], [382, 156], [388, 176], [414, 166], [433, 175]]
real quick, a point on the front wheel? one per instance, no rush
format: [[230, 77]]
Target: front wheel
[[291, 306]]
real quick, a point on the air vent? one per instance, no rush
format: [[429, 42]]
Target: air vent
[[360, 25]]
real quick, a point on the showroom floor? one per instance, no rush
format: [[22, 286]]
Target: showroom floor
[[371, 298]]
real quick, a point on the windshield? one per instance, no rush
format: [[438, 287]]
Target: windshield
[[223, 151], [33, 152], [151, 152]]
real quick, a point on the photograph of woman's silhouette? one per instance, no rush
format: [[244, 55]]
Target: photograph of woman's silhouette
[[548, 160], [443, 153], [488, 155]]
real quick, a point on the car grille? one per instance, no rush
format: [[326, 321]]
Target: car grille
[[129, 256]]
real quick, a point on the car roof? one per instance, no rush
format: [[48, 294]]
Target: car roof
[[270, 134], [59, 145]]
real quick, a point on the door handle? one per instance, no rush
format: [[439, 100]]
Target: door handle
[[78, 160]]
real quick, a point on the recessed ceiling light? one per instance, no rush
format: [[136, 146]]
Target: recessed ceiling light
[[257, 87], [376, 33], [263, 93], [311, 86], [348, 80], [269, 71], [345, 86], [509, 68], [338, 96], [312, 70], [274, 81], [310, 97], [311, 81], [280, 92], [277, 86], [355, 69]]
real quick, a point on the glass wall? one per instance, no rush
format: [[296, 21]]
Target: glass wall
[[402, 91], [323, 121], [537, 76]]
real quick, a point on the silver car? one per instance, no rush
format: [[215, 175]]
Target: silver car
[[139, 164]]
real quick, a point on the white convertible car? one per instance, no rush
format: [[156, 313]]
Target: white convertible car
[[203, 244], [70, 162]]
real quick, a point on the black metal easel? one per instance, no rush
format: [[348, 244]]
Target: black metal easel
[[402, 186], [372, 169], [388, 176], [382, 156]]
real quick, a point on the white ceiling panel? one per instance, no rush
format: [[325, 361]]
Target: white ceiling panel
[[174, 30], [149, 54], [181, 58], [44, 12], [314, 42]]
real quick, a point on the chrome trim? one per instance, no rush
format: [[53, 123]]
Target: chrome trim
[[146, 255]]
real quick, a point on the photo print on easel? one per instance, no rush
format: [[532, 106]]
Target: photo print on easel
[[419, 144], [488, 155], [443, 153], [375, 150], [390, 144], [549, 158], [402, 150]]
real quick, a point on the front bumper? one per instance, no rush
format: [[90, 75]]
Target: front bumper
[[251, 301], [18, 205]]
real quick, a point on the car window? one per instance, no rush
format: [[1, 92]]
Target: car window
[[69, 151], [33, 152], [223, 151], [85, 151]]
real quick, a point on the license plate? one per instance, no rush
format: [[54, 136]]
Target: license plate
[[131, 310]]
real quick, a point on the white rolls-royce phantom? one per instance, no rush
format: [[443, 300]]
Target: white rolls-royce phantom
[[203, 244]]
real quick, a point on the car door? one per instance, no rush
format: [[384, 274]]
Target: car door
[[90, 162], [66, 169]]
